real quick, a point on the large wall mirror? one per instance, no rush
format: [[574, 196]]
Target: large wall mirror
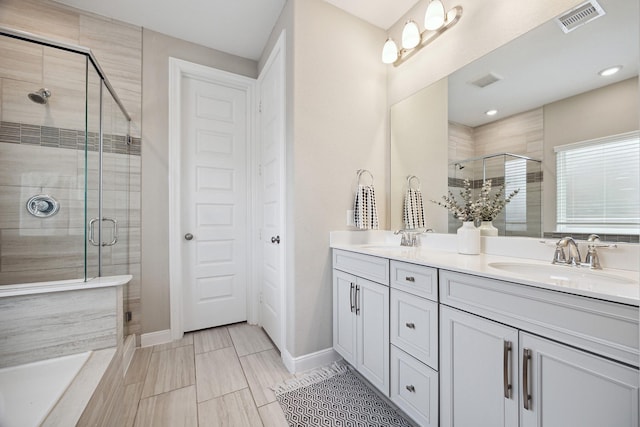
[[548, 93]]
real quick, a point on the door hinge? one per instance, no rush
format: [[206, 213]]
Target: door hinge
[[127, 316], [260, 107], [260, 234], [260, 297], [260, 170]]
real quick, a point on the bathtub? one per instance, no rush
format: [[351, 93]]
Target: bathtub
[[48, 332], [28, 392]]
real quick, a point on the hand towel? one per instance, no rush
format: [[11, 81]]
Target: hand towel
[[364, 209], [413, 209]]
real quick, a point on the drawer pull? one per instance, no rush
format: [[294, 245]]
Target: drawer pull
[[411, 388], [410, 325], [410, 278]]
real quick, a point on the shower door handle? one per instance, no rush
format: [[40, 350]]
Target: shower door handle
[[91, 226], [114, 238]]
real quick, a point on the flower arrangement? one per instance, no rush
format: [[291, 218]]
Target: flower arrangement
[[485, 208]]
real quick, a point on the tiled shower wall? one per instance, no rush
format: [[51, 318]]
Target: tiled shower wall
[[521, 134], [41, 164]]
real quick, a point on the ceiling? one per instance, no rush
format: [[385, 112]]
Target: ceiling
[[239, 27], [546, 65]]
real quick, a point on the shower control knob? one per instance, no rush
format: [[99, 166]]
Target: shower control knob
[[188, 236]]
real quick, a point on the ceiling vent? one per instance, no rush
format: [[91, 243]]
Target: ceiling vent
[[580, 15], [487, 80]]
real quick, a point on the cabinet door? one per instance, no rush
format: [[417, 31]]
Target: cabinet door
[[478, 363], [373, 333], [344, 316], [569, 387]]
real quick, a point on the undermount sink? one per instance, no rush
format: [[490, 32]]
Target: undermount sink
[[561, 274]]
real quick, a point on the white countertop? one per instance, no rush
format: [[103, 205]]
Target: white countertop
[[586, 285]]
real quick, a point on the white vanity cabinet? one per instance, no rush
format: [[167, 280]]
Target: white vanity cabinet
[[414, 341], [500, 365], [361, 314]]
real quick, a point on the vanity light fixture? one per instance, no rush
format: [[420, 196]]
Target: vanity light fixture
[[436, 22], [491, 112], [610, 71]]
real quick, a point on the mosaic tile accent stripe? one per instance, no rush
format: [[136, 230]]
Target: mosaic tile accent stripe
[[46, 136], [605, 237], [496, 181]]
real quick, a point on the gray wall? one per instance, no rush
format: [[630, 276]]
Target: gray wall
[[157, 49]]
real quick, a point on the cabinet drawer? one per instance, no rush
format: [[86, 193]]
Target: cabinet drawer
[[367, 266], [414, 388], [415, 279], [414, 326], [603, 327]]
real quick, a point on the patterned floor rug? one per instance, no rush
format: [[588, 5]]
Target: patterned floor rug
[[334, 396]]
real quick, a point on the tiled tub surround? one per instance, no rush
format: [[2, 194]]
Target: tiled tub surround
[[47, 320]]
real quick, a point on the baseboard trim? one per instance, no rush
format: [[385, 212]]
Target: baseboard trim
[[155, 338], [309, 361]]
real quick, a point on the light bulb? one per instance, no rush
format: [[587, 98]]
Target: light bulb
[[410, 35], [389, 52], [434, 18]]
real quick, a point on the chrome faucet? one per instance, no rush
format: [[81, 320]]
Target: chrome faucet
[[409, 237], [560, 257]]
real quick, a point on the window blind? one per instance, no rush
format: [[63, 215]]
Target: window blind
[[598, 185]]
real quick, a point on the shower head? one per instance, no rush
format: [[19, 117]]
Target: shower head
[[460, 167], [41, 96]]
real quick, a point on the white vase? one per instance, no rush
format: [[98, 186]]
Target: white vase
[[487, 229], [468, 239]]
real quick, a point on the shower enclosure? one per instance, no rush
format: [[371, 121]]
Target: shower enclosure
[[67, 166], [523, 215]]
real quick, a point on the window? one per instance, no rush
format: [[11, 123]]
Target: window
[[515, 173], [597, 185]]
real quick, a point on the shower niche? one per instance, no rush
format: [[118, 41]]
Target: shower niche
[[70, 171], [520, 217]]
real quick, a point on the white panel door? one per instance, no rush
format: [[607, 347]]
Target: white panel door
[[344, 316], [271, 128], [569, 387], [475, 371], [213, 203], [372, 313]]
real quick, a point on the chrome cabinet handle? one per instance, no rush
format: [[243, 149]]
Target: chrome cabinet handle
[[351, 297], [91, 227], [410, 278], [188, 236], [526, 366], [357, 300], [411, 388], [410, 325], [114, 238], [506, 374]]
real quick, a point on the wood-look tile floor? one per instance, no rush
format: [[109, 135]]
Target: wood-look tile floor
[[214, 377]]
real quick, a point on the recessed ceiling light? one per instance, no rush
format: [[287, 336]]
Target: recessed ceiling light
[[610, 71], [491, 112]]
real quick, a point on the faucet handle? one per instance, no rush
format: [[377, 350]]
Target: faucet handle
[[558, 256]]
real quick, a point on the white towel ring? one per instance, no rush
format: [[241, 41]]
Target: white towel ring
[[360, 172], [413, 178]]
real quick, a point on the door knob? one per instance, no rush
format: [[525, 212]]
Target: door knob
[[275, 239], [188, 236]]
